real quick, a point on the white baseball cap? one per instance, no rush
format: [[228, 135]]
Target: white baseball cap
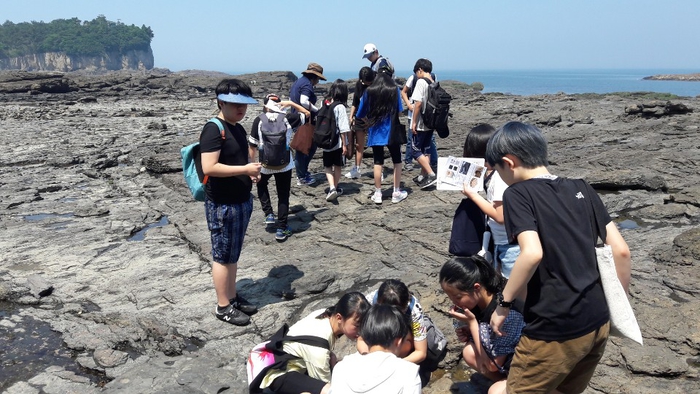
[[369, 50]]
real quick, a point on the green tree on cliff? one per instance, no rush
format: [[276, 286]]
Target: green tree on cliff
[[90, 38]]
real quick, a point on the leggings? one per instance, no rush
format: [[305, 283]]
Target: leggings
[[394, 151]]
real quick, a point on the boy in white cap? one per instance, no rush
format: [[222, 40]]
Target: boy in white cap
[[379, 62]]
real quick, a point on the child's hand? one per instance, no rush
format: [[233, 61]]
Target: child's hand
[[253, 169], [464, 315], [463, 333], [468, 191]]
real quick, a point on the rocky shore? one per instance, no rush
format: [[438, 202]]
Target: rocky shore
[[105, 256]]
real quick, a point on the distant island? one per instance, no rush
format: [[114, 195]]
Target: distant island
[[674, 77], [73, 45]]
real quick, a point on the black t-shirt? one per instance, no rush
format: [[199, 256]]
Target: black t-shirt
[[234, 152], [564, 296]]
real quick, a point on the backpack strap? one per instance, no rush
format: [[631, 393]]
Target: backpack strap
[[411, 304], [263, 118], [222, 130], [309, 340]]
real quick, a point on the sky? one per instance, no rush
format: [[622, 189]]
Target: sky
[[247, 36]]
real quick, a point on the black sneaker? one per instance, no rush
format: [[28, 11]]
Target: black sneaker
[[428, 181], [243, 305], [418, 179], [233, 316]]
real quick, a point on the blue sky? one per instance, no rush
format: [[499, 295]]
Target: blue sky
[[242, 36]]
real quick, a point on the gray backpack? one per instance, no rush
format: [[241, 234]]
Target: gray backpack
[[273, 148]]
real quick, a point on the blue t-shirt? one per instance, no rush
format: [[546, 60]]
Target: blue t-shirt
[[378, 133], [302, 87]]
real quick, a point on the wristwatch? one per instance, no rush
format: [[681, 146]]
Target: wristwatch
[[502, 303]]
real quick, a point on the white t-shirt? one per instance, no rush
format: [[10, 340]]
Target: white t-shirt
[[375, 373], [420, 94], [495, 193]]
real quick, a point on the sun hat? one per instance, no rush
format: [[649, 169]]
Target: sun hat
[[271, 101], [315, 69], [369, 50], [236, 98]]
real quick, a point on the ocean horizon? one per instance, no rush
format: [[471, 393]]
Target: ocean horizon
[[571, 81]]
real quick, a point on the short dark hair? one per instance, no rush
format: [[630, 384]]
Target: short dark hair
[[476, 140], [234, 86], [382, 325], [394, 292], [521, 140], [423, 64], [339, 91]]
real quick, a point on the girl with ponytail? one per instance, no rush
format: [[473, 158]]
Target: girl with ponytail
[[473, 286], [310, 371]]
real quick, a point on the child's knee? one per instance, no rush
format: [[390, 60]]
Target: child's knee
[[469, 355]]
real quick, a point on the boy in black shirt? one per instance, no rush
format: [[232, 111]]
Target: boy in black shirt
[[228, 204], [566, 316]]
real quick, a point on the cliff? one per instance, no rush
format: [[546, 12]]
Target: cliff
[[59, 61]]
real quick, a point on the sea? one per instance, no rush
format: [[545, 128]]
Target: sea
[[530, 82]]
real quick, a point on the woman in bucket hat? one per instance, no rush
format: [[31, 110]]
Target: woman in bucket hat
[[302, 93]]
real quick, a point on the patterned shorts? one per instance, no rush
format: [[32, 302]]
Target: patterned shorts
[[227, 225]]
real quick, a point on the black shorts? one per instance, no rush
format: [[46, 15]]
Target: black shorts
[[333, 158]]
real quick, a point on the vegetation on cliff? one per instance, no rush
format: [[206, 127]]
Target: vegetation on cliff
[[89, 38]]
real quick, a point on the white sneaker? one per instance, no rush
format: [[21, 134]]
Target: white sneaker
[[382, 181], [332, 195], [354, 173], [377, 197], [399, 196]]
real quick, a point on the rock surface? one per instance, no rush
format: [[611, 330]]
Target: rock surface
[[92, 201]]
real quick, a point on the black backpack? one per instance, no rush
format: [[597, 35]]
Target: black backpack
[[436, 109], [325, 131], [274, 151]]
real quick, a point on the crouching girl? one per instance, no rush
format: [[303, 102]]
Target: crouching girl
[[311, 371], [473, 285]]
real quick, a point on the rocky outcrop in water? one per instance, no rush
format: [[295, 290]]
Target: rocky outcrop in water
[[674, 77], [93, 207], [59, 61]]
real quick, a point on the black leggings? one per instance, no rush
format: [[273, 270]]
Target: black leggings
[[295, 383], [283, 182], [394, 151]]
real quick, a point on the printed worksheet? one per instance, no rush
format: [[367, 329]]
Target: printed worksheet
[[454, 172]]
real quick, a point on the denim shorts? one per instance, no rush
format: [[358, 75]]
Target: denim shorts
[[506, 255], [227, 225], [420, 143]]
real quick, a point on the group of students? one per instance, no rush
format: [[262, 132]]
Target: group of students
[[556, 223], [390, 336]]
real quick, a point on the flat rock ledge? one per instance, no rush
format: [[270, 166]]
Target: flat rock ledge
[[103, 244]]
